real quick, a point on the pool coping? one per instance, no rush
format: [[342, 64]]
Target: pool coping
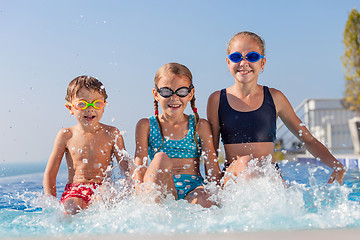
[[328, 234]]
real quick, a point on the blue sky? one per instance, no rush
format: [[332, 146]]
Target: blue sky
[[45, 44]]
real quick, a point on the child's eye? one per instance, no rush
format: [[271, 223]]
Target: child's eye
[[99, 104], [81, 104]]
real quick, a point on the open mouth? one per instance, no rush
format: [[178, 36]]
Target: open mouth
[[174, 105], [89, 118], [245, 71]]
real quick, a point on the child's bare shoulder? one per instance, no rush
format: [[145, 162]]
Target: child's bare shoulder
[[63, 136], [203, 121], [275, 93], [143, 123], [204, 125], [114, 131], [215, 96], [65, 133]]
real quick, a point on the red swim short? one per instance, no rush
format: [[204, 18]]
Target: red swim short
[[79, 190]]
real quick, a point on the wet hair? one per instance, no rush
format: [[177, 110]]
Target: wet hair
[[87, 82], [254, 36], [178, 70]]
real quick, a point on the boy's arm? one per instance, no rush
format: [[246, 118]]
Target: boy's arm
[[52, 167], [213, 117], [316, 148], [212, 169], [142, 133], [120, 152]]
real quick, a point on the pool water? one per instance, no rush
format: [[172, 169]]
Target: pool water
[[305, 201]]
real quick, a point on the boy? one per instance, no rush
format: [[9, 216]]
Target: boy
[[88, 146]]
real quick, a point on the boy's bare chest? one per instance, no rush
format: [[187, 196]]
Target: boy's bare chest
[[90, 145]]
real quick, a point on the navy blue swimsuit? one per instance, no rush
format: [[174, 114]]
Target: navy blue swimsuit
[[246, 127]]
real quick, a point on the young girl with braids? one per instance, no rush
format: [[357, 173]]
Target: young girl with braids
[[175, 141]]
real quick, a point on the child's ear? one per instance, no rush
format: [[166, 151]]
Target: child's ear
[[68, 106], [191, 94], [227, 61], [263, 63], [155, 94]]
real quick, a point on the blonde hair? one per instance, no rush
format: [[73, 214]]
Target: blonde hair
[[254, 36], [87, 82], [179, 70]]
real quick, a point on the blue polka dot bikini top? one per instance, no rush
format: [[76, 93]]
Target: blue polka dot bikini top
[[183, 148]]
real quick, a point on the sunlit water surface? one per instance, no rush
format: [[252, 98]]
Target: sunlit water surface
[[305, 201]]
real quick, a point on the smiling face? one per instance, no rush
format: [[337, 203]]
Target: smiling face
[[173, 105], [89, 116], [245, 71]]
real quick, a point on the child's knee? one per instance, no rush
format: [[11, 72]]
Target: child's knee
[[161, 161], [74, 205], [160, 155], [199, 196]]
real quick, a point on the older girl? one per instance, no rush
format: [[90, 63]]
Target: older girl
[[245, 114]]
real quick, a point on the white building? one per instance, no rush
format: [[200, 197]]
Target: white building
[[328, 121]]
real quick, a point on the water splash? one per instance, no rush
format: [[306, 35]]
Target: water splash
[[247, 204]]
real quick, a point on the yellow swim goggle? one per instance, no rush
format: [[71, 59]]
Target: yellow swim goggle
[[82, 104]]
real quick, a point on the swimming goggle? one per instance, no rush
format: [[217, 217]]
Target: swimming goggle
[[82, 104], [251, 57], [166, 92]]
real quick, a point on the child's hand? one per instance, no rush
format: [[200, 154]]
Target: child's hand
[[338, 174]]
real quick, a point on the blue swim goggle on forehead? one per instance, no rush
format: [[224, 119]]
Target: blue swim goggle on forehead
[[251, 57]]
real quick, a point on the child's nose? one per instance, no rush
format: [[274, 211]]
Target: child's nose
[[174, 97], [244, 62], [90, 108]]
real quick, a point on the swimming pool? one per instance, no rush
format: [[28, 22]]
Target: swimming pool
[[305, 202]]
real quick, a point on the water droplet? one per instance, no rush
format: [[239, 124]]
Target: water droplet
[[186, 166]]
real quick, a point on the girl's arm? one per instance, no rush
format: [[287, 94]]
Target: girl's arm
[[212, 169], [52, 167], [316, 148], [213, 117], [142, 133]]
